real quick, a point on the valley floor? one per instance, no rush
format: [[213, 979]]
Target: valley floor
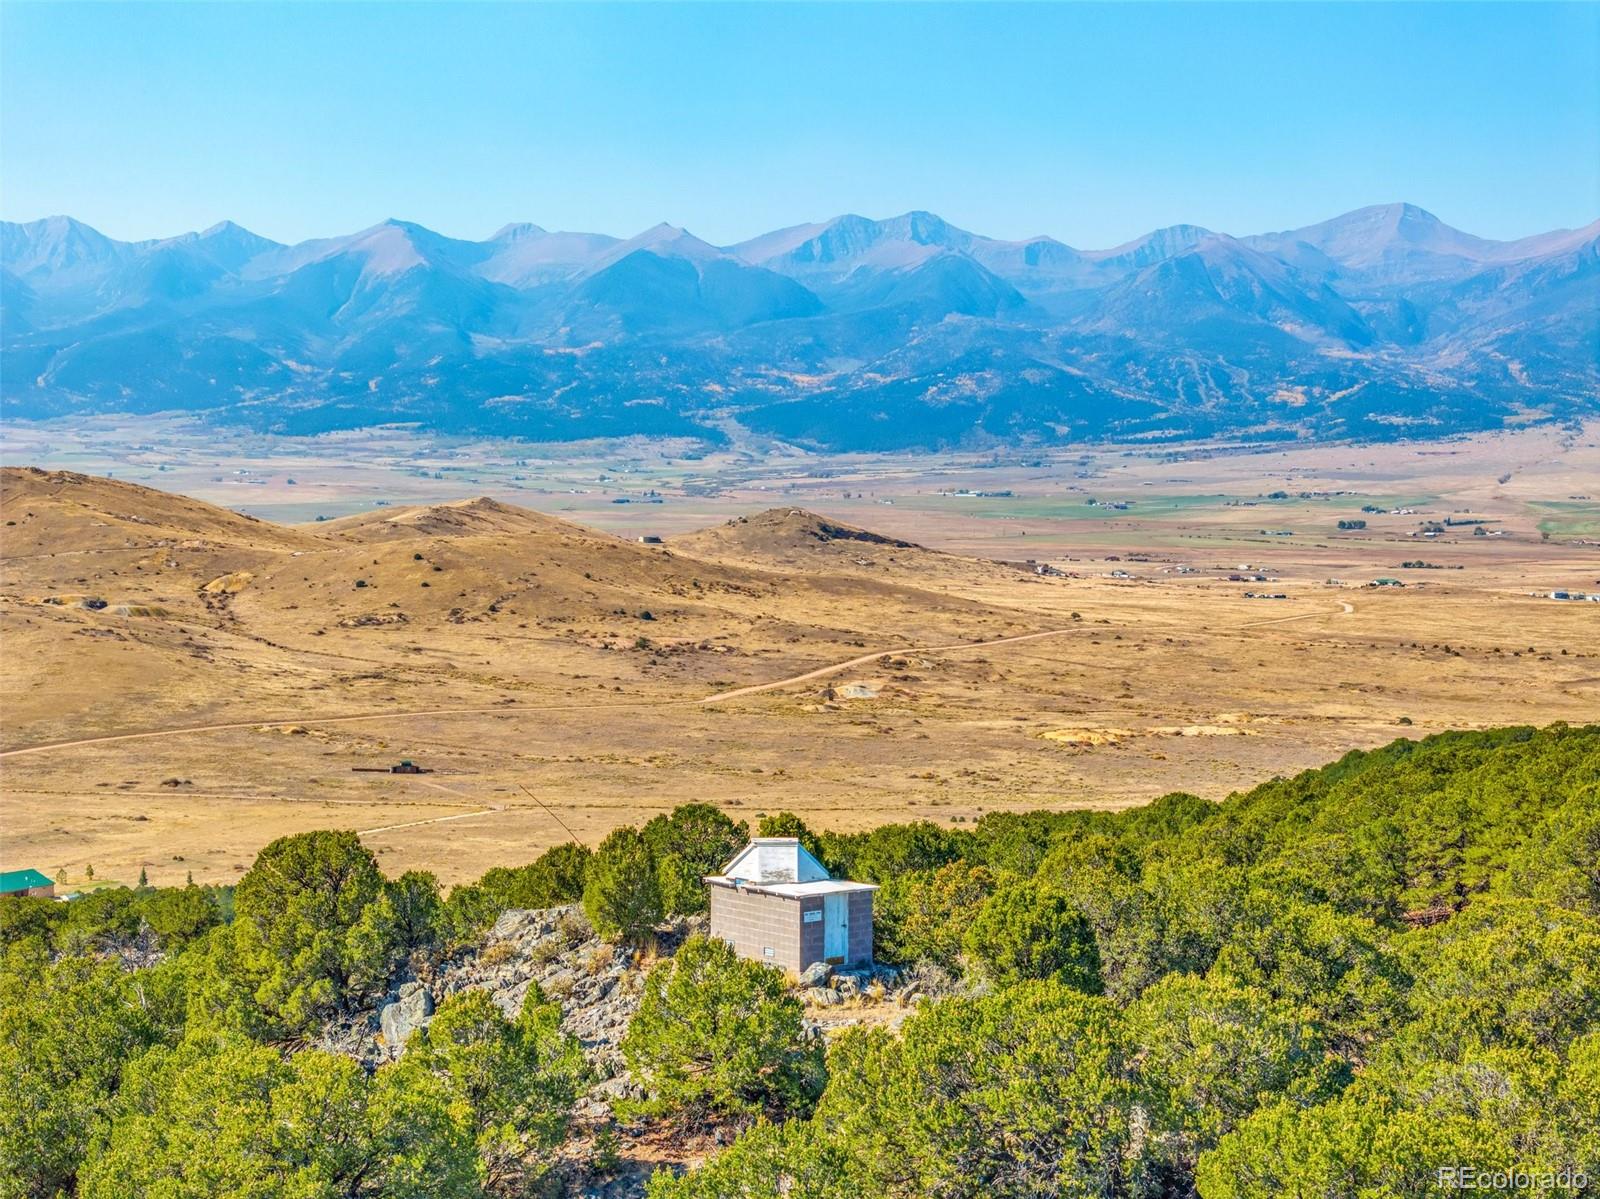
[[555, 680]]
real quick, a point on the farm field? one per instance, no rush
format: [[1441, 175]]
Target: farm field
[[553, 672]]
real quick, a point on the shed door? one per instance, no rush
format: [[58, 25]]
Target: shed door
[[835, 927]]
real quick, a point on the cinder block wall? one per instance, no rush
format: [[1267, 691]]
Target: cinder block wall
[[810, 934], [860, 927], [753, 923]]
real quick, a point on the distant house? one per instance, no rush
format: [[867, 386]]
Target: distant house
[[14, 883], [775, 903], [404, 766]]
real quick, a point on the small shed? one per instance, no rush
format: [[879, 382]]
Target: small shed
[[404, 766], [775, 903], [26, 882]]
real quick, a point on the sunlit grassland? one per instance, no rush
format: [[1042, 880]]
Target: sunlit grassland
[[1567, 518]]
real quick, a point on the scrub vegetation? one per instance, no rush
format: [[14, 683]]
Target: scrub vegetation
[[1333, 984]]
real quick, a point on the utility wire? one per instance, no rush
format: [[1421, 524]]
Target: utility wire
[[548, 812]]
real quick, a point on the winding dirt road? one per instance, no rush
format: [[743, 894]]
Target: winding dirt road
[[735, 693], [824, 671], [1345, 609], [756, 689]]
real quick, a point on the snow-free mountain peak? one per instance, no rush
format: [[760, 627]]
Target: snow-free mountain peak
[[852, 332]]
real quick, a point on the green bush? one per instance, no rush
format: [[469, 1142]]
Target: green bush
[[693, 841], [717, 1034], [1347, 1147], [1339, 969], [1027, 931], [621, 892], [555, 878], [317, 931], [1027, 1092], [66, 1034], [1212, 1052], [28, 929], [897, 849], [180, 915], [512, 1083], [922, 916], [228, 1117], [1514, 973]]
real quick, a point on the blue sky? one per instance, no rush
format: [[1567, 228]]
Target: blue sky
[[1093, 123]]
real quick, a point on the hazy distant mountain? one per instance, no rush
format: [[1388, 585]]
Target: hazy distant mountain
[[666, 280], [846, 333], [527, 256], [1218, 293], [851, 257]]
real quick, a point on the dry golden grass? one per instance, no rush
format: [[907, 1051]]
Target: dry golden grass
[[237, 671]]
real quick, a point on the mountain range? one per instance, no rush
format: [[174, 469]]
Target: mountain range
[[847, 334]]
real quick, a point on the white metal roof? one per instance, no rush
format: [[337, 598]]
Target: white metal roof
[[824, 886], [775, 860], [782, 866]]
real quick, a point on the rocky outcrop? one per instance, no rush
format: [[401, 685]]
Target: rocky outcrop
[[597, 984], [599, 987], [411, 1008]]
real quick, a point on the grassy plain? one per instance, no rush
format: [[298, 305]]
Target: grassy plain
[[555, 677]]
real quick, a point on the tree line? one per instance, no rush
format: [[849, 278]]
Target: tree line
[[1333, 984]]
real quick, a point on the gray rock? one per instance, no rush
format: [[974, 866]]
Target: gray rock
[[411, 1011], [816, 975], [598, 986], [619, 1086], [824, 997]]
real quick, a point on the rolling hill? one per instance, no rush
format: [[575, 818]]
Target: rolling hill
[[138, 606]]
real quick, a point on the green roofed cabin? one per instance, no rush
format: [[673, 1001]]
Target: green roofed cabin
[[14, 883]]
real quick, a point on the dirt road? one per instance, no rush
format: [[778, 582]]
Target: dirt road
[[824, 671], [623, 705], [736, 693]]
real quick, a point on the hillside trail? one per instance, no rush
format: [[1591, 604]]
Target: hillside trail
[[824, 671], [735, 693], [1346, 608]]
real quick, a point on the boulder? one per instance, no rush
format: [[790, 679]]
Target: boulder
[[411, 1010], [816, 975]]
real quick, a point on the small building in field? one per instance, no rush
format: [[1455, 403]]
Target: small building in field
[[14, 883], [404, 766], [777, 904]]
